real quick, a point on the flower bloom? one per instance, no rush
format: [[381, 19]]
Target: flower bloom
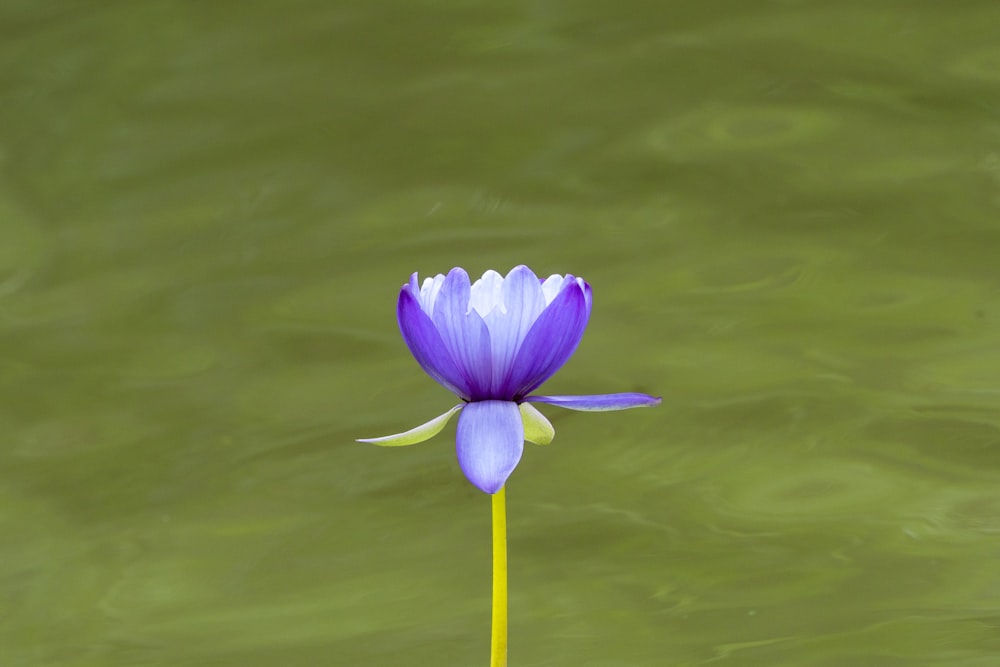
[[492, 343]]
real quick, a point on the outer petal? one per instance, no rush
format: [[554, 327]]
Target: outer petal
[[599, 402], [489, 443], [427, 347], [537, 428], [418, 434], [523, 302], [552, 340], [464, 333]]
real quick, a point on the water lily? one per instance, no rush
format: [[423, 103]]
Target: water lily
[[492, 343]]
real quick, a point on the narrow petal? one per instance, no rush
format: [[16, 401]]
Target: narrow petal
[[587, 294], [418, 434], [427, 346], [552, 340], [537, 428], [464, 333], [489, 443], [599, 402]]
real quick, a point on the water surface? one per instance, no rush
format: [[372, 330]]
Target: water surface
[[788, 212]]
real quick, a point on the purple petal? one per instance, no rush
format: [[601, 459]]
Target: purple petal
[[552, 340], [523, 302], [599, 402], [427, 347], [464, 333], [489, 442]]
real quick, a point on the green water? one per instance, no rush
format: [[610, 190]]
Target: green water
[[788, 212]]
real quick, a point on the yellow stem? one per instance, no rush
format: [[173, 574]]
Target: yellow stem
[[498, 644]]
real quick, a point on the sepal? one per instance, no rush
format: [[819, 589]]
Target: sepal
[[537, 428], [418, 434], [599, 402]]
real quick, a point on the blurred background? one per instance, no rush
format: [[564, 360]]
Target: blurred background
[[788, 211]]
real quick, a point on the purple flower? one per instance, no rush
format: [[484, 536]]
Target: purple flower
[[492, 343]]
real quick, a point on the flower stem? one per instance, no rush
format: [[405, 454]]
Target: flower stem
[[498, 643]]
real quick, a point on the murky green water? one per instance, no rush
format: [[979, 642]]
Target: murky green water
[[789, 215]]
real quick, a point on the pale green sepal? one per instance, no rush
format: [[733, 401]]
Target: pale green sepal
[[537, 428], [418, 434]]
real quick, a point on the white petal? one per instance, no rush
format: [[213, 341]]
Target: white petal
[[551, 287], [429, 292], [485, 294]]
